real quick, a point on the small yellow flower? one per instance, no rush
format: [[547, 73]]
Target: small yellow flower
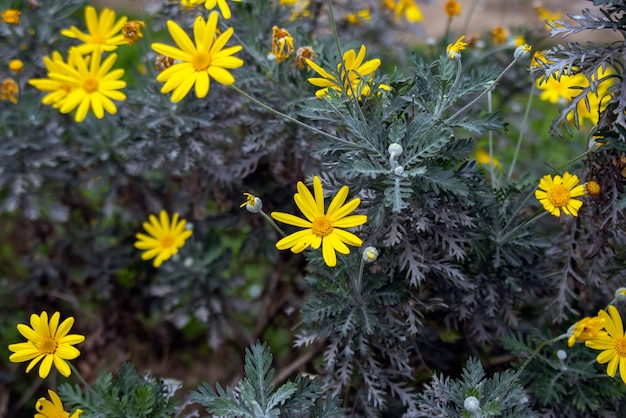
[[164, 238], [592, 188], [452, 8], [585, 329], [9, 90], [321, 228], [499, 35], [548, 16], [132, 31], [482, 157], [103, 33], [558, 194], [358, 78], [253, 204], [454, 50], [11, 16], [47, 341], [407, 8], [539, 58], [16, 66], [358, 17], [200, 61], [281, 40], [53, 408], [303, 54], [612, 343]]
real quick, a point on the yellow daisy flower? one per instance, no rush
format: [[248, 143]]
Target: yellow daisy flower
[[612, 343], [557, 194], [199, 62], [455, 49], [359, 75], [321, 228], [164, 237], [91, 85], [57, 90], [103, 33], [564, 88], [222, 4], [47, 341], [586, 329], [408, 8], [53, 408], [11, 16]]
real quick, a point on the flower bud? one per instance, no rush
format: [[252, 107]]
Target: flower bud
[[561, 354], [370, 254], [253, 204], [398, 171], [522, 52], [471, 404], [395, 149]]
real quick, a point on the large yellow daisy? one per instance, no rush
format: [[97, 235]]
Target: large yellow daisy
[[612, 343], [47, 341], [359, 75], [164, 238], [585, 329], [558, 194], [92, 86], [53, 408], [199, 62], [103, 33], [57, 90], [321, 228]]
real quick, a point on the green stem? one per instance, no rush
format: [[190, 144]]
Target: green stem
[[289, 118], [271, 222], [534, 353], [539, 213], [521, 132], [82, 380], [477, 98], [472, 8], [490, 137]]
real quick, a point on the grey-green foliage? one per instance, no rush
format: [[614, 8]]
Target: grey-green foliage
[[591, 60], [126, 395], [500, 395], [256, 397], [573, 386]]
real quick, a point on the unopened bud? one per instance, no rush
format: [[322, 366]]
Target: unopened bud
[[471, 404], [522, 52], [395, 149], [561, 354], [370, 254]]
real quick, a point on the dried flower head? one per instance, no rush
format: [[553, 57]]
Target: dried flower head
[[452, 8], [282, 44], [9, 90], [132, 31], [499, 35], [303, 54], [592, 188], [163, 62]]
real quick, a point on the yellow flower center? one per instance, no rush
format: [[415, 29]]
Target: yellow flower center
[[98, 38], [322, 227], [620, 347], [558, 196], [48, 346], [167, 241], [90, 84], [201, 61]]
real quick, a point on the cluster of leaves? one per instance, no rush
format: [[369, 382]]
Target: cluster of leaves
[[256, 396]]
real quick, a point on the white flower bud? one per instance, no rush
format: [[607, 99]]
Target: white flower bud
[[398, 171], [620, 293], [370, 254], [256, 207], [471, 404], [561, 354], [522, 52], [395, 149]]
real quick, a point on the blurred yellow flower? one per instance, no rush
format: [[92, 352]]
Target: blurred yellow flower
[[547, 15], [164, 238], [321, 228], [200, 61], [48, 342], [9, 90], [585, 329], [16, 66], [407, 8], [452, 8], [282, 44], [612, 343], [104, 33], [482, 157], [358, 78], [558, 194], [454, 50], [53, 408], [11, 16], [358, 17], [92, 85], [499, 35]]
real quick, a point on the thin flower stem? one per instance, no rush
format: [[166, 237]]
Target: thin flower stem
[[359, 280], [488, 89], [443, 104], [343, 64], [85, 384], [534, 353], [490, 136], [472, 8], [521, 132], [271, 222], [539, 213], [289, 118]]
